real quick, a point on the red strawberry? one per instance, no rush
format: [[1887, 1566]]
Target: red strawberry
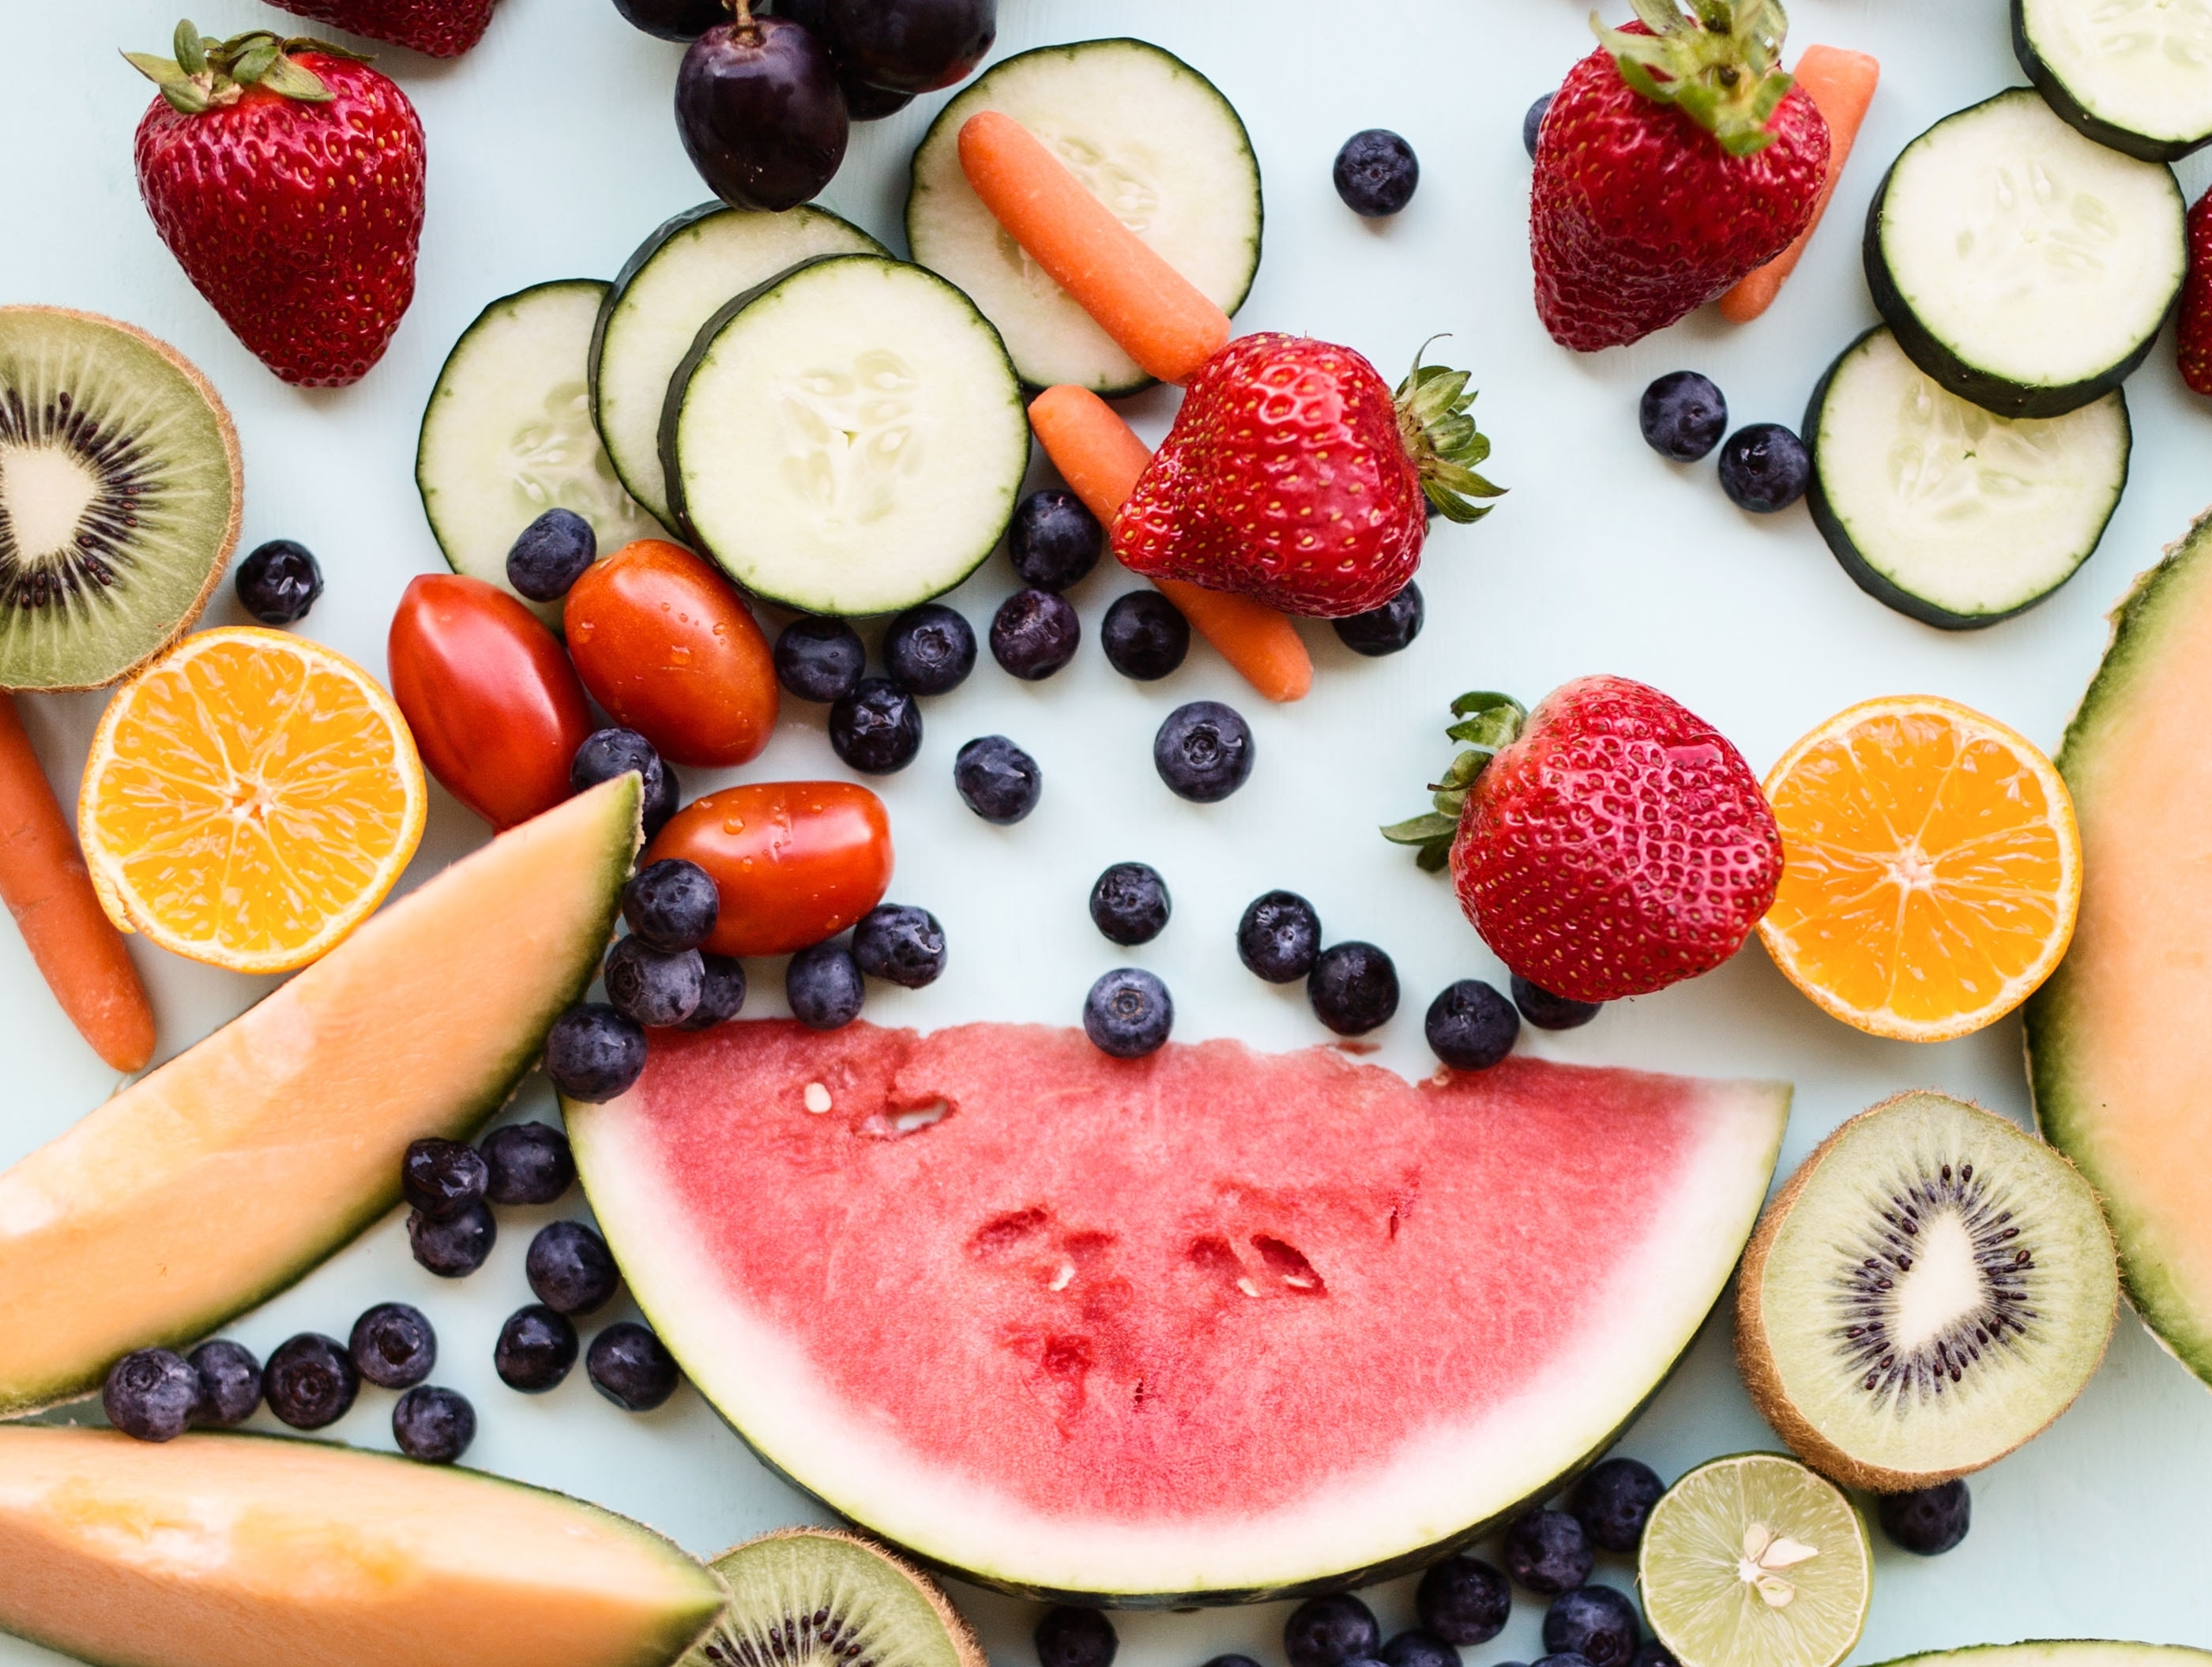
[[2195, 344], [286, 177], [443, 28], [1293, 475], [1609, 844], [1675, 159]]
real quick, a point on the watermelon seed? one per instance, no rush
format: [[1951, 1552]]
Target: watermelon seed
[[817, 1099]]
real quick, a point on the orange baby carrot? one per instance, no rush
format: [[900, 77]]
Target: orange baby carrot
[[1841, 85], [44, 882], [1158, 317], [1100, 457]]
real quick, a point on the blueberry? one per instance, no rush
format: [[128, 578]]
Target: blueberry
[[1764, 468], [824, 986], [1547, 1552], [1595, 1622], [1203, 751], [1419, 1649], [530, 1162], [392, 1346], [1129, 904], [607, 754], [1471, 1026], [1652, 1653], [1613, 1501], [998, 781], [1386, 630], [820, 659], [1075, 1637], [310, 1381], [671, 904], [552, 555], [1683, 416], [536, 1348], [1532, 123], [1055, 540], [1330, 1630], [434, 1425], [1279, 937], [441, 1179], [655, 988], [1929, 1521], [631, 1366], [722, 992], [570, 1269], [230, 1384], [900, 943], [1353, 988], [876, 729], [1232, 1661], [660, 801], [929, 650], [1034, 633], [1566, 1658], [594, 1053], [1129, 1013], [1144, 635], [1376, 172], [1463, 1600], [279, 583], [151, 1393], [1547, 1011], [455, 1249]]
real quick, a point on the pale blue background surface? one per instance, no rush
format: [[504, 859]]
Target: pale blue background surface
[[552, 153]]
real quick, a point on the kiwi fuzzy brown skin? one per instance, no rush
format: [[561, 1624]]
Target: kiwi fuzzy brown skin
[[1754, 1355], [192, 373], [964, 1643]]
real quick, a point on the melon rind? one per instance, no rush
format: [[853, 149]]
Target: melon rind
[[2119, 1039], [2060, 1652]]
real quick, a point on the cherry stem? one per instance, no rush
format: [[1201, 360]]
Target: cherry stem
[[741, 17]]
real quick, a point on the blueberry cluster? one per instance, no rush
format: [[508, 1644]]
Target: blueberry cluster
[[1764, 466]]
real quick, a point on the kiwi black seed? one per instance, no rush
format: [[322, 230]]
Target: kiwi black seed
[[819, 1595], [1932, 1288], [120, 497]]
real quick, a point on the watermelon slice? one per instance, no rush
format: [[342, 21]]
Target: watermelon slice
[[1204, 1326]]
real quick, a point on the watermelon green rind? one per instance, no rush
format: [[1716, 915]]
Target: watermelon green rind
[[2060, 1652]]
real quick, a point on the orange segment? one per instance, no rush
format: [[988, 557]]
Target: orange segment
[[250, 798], [1930, 867]]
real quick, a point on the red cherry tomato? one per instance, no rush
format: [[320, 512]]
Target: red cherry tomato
[[495, 707], [793, 861], [670, 651]]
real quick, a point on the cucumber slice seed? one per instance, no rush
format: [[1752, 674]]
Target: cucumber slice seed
[[1944, 511], [678, 278], [848, 439], [2135, 78], [1156, 141], [508, 434]]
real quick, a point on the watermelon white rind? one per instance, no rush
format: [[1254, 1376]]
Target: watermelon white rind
[[1106, 1331]]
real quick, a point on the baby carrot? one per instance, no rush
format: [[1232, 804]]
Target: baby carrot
[[45, 883], [1158, 317], [1100, 457], [1841, 85]]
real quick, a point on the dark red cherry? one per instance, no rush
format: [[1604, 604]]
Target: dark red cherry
[[673, 20], [912, 45], [760, 112]]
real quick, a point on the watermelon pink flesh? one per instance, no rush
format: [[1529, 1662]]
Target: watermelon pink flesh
[[1100, 1316]]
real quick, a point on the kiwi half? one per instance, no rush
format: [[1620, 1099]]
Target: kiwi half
[[120, 494], [1932, 1288], [819, 1595]]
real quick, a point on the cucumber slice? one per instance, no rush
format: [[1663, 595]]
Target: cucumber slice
[[848, 438], [2022, 266], [1153, 137], [2135, 78], [674, 284], [1942, 510], [508, 434]]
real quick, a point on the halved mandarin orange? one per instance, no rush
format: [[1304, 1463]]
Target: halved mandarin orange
[[1931, 869], [250, 798]]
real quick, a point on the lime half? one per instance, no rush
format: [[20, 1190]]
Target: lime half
[[1755, 1562]]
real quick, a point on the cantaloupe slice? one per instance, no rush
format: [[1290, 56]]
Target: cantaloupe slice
[[220, 1549], [2120, 1038], [224, 1176]]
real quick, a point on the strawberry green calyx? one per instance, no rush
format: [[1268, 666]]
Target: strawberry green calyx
[[1488, 722], [208, 74], [1717, 63], [1442, 440]]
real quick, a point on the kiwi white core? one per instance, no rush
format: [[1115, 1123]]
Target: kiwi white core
[[44, 493]]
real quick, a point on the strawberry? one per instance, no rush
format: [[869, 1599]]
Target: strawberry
[[2195, 332], [443, 28], [1674, 160], [1293, 475], [1610, 843], [286, 176]]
